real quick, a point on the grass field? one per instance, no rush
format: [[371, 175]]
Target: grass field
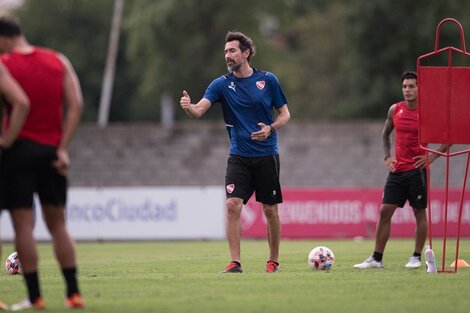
[[184, 277]]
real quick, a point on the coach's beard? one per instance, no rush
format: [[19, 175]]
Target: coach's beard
[[233, 67]]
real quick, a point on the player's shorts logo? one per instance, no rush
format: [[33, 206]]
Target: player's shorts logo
[[260, 84], [230, 188]]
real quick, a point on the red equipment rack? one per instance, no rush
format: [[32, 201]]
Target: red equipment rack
[[444, 118]]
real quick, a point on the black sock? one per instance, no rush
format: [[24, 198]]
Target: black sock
[[32, 283], [238, 263], [417, 255], [70, 276], [378, 256]]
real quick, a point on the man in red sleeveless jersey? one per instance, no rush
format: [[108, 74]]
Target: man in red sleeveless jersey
[[37, 162], [407, 177], [18, 104]]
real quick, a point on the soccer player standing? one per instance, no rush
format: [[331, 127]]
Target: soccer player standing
[[248, 97], [18, 104], [38, 160], [407, 175]]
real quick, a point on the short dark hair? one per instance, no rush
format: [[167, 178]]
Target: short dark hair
[[245, 42], [409, 75], [9, 27]]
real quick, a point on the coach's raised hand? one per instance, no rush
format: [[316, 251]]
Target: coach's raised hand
[[185, 101], [194, 110]]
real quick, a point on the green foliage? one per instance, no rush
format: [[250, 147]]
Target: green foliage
[[179, 44], [184, 277], [336, 59], [78, 29], [389, 36], [316, 49]]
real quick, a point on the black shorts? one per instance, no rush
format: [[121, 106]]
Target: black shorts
[[26, 169], [409, 185], [246, 175]]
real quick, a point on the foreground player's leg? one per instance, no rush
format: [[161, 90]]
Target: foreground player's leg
[[23, 223], [64, 249], [3, 306]]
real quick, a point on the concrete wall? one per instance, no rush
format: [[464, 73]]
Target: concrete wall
[[194, 153]]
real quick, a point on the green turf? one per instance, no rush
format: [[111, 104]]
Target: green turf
[[184, 277]]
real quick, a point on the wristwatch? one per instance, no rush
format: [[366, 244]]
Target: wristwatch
[[272, 129]]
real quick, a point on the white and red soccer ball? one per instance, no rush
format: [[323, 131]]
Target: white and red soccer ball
[[12, 264], [321, 258]]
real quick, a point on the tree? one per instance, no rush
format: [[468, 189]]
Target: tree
[[335, 59], [317, 60], [179, 45], [389, 37], [80, 30]]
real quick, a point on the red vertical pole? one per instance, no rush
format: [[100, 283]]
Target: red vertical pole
[[460, 212], [444, 243], [428, 192]]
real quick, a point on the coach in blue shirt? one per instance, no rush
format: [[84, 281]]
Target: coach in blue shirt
[[248, 97]]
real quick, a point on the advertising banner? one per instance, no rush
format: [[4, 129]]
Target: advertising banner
[[192, 213], [140, 213], [346, 213]]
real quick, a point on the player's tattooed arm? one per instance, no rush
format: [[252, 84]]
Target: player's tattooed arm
[[386, 132]]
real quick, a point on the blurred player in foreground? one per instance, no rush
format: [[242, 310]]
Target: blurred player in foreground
[[407, 175], [248, 97], [17, 102], [38, 160]]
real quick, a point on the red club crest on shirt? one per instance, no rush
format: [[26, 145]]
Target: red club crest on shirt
[[230, 188], [260, 84]]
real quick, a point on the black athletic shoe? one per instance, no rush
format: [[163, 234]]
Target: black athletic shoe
[[233, 267]]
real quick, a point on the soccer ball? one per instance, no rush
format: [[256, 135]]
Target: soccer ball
[[13, 265], [321, 258]]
